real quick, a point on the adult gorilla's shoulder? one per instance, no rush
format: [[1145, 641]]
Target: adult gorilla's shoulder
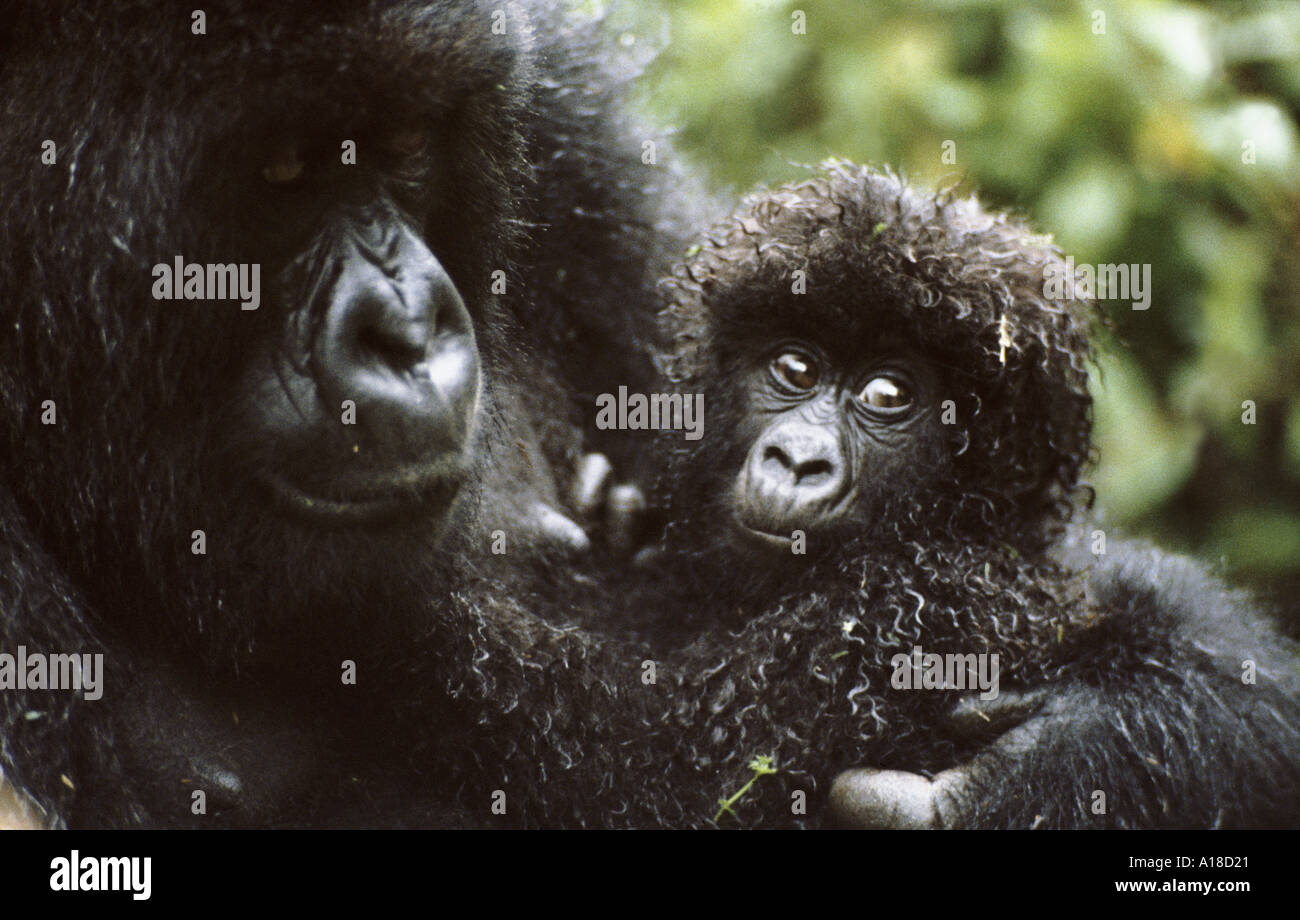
[[603, 222]]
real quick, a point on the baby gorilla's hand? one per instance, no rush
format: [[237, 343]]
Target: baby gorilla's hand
[[621, 509]]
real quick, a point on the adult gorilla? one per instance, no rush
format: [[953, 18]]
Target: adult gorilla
[[243, 510]]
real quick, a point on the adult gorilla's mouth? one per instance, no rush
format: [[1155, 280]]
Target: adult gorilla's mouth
[[754, 536], [382, 501]]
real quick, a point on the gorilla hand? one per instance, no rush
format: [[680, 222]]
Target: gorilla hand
[[616, 512], [552, 528], [897, 800], [594, 497]]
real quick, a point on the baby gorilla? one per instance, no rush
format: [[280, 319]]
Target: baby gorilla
[[896, 419], [896, 422], [880, 368]]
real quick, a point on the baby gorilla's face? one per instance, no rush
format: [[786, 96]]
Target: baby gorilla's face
[[831, 439]]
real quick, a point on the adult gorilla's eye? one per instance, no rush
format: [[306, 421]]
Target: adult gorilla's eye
[[796, 370], [888, 393], [407, 142], [284, 166]]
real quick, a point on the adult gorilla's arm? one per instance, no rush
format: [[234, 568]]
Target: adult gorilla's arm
[[1185, 714], [605, 223], [41, 610], [136, 752], [67, 745]]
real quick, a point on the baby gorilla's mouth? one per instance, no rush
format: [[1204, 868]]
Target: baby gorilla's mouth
[[377, 501]]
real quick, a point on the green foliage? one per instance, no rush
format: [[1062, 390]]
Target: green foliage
[[762, 765], [1129, 142]]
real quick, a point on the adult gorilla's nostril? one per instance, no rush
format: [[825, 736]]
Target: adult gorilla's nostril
[[401, 347], [813, 471]]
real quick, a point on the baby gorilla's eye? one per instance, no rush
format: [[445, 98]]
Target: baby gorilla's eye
[[888, 393], [284, 166], [795, 370]]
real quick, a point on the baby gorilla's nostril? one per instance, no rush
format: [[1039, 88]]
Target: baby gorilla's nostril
[[774, 454], [803, 471]]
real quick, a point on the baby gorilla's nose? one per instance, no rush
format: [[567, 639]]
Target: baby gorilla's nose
[[803, 464], [794, 474]]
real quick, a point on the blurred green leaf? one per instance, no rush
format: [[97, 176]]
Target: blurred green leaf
[[1145, 453], [1265, 539]]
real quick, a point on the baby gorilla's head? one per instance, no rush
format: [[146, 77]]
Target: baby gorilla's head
[[879, 364]]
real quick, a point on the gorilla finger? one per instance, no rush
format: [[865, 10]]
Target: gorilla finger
[[973, 717], [883, 799], [590, 484], [557, 530], [897, 800], [648, 556], [625, 514], [17, 811], [224, 789]]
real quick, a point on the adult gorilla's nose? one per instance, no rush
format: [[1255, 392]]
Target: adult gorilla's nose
[[397, 341], [363, 415]]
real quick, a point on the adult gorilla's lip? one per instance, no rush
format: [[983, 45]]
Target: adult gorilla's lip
[[385, 501], [757, 536]]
